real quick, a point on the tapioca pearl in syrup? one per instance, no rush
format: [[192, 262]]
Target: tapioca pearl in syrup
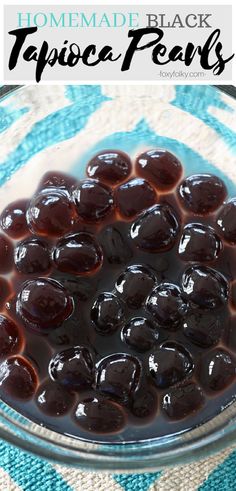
[[53, 399], [111, 166], [11, 339], [226, 221], [118, 375], [32, 256], [93, 200], [44, 304], [169, 364], [144, 404], [134, 196], [73, 368], [182, 401], [18, 378], [140, 334], [167, 305], [78, 254], [160, 167], [216, 370], [115, 244], [107, 313], [50, 213], [101, 416], [205, 287], [13, 219], [134, 284], [203, 329], [156, 230], [199, 243], [202, 193]]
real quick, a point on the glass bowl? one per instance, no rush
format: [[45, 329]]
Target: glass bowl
[[59, 127]]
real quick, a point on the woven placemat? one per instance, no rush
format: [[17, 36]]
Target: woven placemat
[[21, 471]]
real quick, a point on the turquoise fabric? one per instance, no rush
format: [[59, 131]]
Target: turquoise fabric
[[29, 472]]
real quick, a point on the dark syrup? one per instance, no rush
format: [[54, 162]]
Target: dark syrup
[[118, 313]]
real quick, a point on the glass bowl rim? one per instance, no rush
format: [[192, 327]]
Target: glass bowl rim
[[126, 457]]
